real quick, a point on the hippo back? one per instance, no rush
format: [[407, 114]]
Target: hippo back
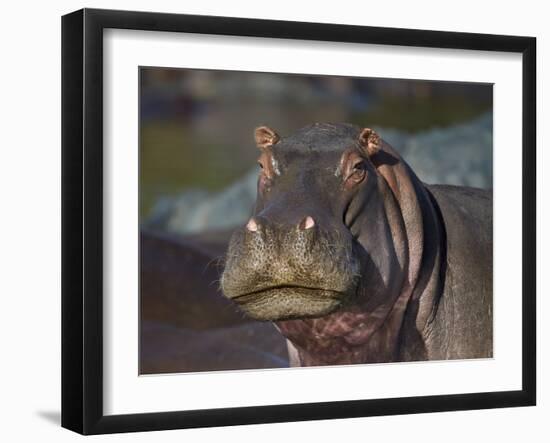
[[462, 325]]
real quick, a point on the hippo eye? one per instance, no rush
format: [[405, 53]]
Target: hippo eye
[[356, 173], [358, 170], [359, 166]]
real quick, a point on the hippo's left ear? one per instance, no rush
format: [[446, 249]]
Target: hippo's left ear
[[265, 137], [369, 141]]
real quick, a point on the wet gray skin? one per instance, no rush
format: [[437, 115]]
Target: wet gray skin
[[352, 256]]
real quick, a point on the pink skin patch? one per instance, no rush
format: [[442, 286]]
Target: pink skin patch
[[307, 223], [252, 226]]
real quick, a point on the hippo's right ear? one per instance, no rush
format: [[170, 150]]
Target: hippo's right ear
[[265, 137]]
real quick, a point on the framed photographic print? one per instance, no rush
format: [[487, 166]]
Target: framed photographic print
[[269, 221]]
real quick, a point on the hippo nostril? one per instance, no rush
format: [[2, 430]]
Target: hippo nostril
[[252, 225], [306, 223]]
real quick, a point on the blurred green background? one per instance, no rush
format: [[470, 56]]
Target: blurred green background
[[196, 126]]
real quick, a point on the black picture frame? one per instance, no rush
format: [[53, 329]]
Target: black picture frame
[[82, 220]]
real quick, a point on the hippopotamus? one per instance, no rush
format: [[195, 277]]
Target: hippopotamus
[[355, 260]]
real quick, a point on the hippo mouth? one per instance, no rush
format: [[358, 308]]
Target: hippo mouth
[[290, 302]]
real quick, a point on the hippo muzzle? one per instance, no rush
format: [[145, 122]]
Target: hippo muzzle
[[284, 271]]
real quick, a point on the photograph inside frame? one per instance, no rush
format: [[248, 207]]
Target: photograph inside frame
[[292, 220]]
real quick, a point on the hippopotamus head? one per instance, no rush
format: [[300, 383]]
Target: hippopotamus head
[[328, 228]]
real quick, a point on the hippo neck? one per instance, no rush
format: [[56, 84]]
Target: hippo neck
[[343, 337], [372, 331]]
